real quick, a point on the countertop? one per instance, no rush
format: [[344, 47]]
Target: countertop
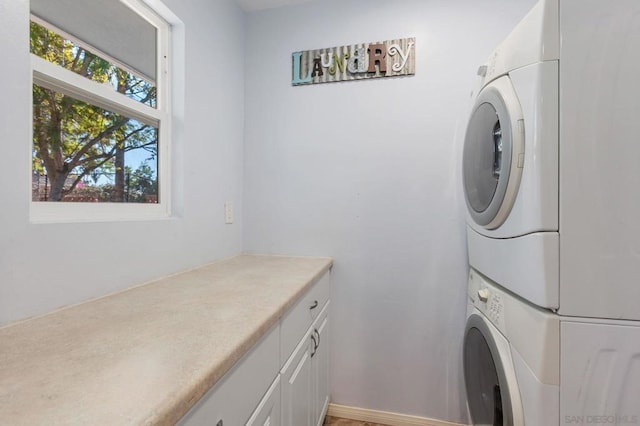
[[147, 354]]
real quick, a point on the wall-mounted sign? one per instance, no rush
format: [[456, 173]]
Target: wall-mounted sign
[[391, 58]]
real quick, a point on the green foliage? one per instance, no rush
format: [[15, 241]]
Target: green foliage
[[72, 139], [142, 184]]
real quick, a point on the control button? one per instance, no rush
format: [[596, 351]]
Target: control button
[[483, 294]]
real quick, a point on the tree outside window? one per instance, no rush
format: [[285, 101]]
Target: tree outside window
[[82, 152]]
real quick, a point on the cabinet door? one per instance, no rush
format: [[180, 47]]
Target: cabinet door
[[320, 367], [268, 411], [296, 385]]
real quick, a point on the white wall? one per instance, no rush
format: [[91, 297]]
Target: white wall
[[44, 266], [368, 172], [364, 171]]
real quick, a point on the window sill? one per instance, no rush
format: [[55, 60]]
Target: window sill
[[70, 212]]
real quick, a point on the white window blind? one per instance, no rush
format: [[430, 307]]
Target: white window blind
[[110, 26]]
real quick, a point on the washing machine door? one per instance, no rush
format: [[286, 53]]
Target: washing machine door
[[493, 155], [492, 391]]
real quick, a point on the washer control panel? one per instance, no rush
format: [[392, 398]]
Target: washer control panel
[[495, 310], [487, 298]]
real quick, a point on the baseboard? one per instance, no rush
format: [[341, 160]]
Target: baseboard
[[383, 417]]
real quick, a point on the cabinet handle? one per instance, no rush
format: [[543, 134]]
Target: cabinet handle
[[314, 305], [315, 330], [315, 345]]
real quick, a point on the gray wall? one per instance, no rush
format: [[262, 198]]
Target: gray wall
[[368, 172], [45, 266]]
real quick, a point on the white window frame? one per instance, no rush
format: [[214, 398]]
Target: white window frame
[[55, 77]]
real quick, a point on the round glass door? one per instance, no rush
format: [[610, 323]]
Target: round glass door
[[489, 172], [484, 377]]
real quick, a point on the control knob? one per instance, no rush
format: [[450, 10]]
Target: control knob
[[483, 294]]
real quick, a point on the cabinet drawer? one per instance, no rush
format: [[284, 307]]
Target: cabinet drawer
[[298, 320], [239, 392]]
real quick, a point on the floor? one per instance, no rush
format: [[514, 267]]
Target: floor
[[335, 421]]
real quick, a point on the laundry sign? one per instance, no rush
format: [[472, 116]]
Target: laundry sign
[[391, 58]]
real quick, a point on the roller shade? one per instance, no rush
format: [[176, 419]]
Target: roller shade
[[109, 25]]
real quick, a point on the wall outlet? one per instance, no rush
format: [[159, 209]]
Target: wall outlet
[[228, 212]]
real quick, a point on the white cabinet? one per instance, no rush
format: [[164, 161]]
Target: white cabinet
[[297, 321], [268, 411], [320, 369], [600, 372], [305, 376], [232, 400], [296, 386], [284, 379]]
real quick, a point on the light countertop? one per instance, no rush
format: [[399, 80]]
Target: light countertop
[[147, 354]]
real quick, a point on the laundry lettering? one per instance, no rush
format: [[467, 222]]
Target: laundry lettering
[[390, 58]]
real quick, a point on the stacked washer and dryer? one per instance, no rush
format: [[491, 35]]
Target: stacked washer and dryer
[[551, 172]]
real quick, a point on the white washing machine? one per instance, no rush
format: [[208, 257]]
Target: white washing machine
[[551, 162], [524, 365], [511, 358]]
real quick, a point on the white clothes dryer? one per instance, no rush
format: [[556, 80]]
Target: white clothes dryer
[[551, 161], [524, 365]]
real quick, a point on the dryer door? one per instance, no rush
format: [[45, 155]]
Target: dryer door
[[493, 154], [492, 391]]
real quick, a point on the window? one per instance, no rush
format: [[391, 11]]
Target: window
[[101, 110]]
